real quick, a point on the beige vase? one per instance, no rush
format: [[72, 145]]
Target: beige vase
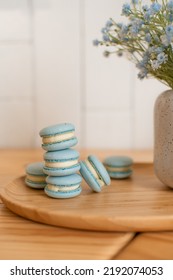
[[163, 138]]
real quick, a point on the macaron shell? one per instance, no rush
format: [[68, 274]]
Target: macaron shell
[[35, 168], [57, 129], [70, 180], [120, 175], [60, 145], [60, 194], [62, 155], [35, 185], [89, 178], [118, 161], [100, 169], [61, 171]]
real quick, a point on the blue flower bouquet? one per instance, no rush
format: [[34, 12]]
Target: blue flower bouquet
[[146, 38]]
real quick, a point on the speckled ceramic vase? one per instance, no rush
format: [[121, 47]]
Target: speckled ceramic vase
[[163, 138]]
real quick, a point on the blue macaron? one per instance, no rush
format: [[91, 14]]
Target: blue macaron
[[119, 167], [35, 177], [94, 173], [63, 187], [58, 137], [61, 163]]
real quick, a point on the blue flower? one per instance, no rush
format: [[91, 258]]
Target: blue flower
[[148, 38], [155, 64], [144, 62], [134, 30], [142, 74], [166, 40], [170, 5], [155, 7], [123, 31], [169, 30], [170, 16], [106, 37], [147, 15], [96, 42], [162, 57], [138, 22], [145, 8], [159, 50], [151, 50], [104, 30], [126, 9], [135, 26], [120, 24], [109, 23], [135, 2], [156, 39]]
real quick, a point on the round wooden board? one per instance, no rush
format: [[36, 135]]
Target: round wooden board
[[140, 203]]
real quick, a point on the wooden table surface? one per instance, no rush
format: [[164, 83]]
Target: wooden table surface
[[24, 239]]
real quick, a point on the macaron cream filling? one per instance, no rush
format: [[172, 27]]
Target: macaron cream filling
[[56, 188], [60, 164], [36, 178], [57, 137], [117, 169], [94, 173]]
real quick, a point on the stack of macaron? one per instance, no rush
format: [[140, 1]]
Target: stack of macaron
[[61, 162], [58, 175]]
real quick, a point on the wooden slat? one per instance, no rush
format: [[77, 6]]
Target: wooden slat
[[149, 246], [22, 239]]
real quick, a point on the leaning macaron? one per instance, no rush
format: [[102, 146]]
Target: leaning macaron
[[94, 173], [58, 137], [119, 167], [61, 163], [63, 187], [35, 177]]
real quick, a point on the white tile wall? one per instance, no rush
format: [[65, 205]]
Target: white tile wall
[[50, 73], [108, 102], [16, 71], [16, 123], [57, 68], [108, 129], [14, 20], [16, 80]]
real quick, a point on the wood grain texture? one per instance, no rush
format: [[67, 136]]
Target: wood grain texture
[[23, 239], [140, 203], [149, 246]]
